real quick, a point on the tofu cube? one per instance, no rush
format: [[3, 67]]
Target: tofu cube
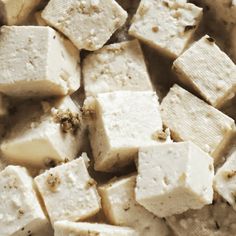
[[166, 25], [207, 70], [39, 63], [119, 66], [65, 228], [191, 119], [20, 210], [173, 178], [125, 121], [69, 193], [88, 24], [43, 135], [121, 208]]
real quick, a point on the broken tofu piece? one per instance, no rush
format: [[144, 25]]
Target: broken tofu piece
[[173, 178], [121, 208], [191, 119], [207, 70], [119, 66], [88, 24], [166, 25], [69, 193], [39, 63]]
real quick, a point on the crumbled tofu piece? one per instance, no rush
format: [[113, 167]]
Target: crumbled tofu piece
[[207, 70], [121, 208], [88, 24], [20, 210], [125, 121], [36, 61], [65, 228], [69, 193], [44, 134], [119, 66], [166, 25], [39, 20], [191, 119], [3, 105], [173, 178]]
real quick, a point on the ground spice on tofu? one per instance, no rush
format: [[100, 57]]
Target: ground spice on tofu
[[53, 181], [189, 27], [230, 174], [209, 39], [91, 183]]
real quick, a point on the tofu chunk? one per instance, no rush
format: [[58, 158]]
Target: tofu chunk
[[88, 24], [208, 71], [166, 25], [119, 66], [125, 121], [36, 62], [191, 119], [20, 210], [121, 208], [69, 193], [45, 134], [173, 178], [65, 228]]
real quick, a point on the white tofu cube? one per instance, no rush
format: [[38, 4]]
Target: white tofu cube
[[125, 121], [121, 208], [166, 25], [207, 70], [173, 178], [191, 119], [65, 228], [119, 66], [39, 20], [69, 193], [43, 138], [36, 61], [20, 210], [88, 24]]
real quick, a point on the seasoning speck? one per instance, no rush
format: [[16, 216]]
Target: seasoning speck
[[209, 39], [53, 181], [189, 27]]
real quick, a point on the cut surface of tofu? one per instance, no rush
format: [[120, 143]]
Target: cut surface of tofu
[[44, 134], [65, 228], [173, 178], [166, 25], [119, 66], [121, 208], [207, 70], [191, 119], [39, 63], [69, 193], [20, 210], [88, 24]]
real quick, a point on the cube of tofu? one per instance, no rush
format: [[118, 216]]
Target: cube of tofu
[[119, 66], [20, 210], [207, 70], [166, 25], [88, 24], [69, 193], [125, 121], [39, 20], [44, 63], [121, 208], [191, 119], [65, 228], [43, 138], [173, 178]]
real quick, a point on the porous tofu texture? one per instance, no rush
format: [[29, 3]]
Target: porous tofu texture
[[65, 228], [207, 70], [20, 210], [36, 62], [125, 121], [45, 134], [69, 193], [119, 66], [166, 25], [191, 119], [173, 178], [88, 24], [121, 208]]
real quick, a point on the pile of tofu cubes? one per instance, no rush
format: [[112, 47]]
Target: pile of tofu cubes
[[166, 153]]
